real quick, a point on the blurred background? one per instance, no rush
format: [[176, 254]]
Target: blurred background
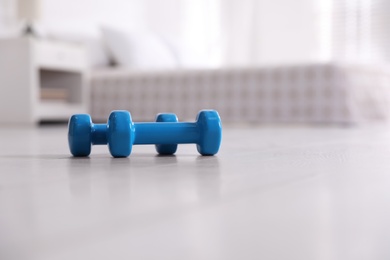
[[304, 61]]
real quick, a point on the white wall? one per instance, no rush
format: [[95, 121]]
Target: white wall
[[7, 17], [278, 31], [87, 15], [160, 16], [288, 31], [238, 32]]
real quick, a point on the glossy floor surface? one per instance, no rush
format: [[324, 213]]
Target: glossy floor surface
[[271, 193]]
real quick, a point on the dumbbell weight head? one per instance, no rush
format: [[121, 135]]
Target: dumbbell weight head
[[166, 149], [80, 135], [121, 133], [210, 129]]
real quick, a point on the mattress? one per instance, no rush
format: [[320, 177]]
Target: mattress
[[315, 93]]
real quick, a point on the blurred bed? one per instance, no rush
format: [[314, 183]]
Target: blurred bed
[[317, 93]]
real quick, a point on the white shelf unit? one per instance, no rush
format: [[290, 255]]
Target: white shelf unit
[[28, 67]]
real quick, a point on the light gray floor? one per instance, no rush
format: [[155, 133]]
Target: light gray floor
[[271, 193]]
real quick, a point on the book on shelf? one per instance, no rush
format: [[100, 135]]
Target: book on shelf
[[60, 94]]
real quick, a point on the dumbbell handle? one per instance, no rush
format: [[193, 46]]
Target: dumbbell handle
[[166, 133], [99, 134], [154, 133]]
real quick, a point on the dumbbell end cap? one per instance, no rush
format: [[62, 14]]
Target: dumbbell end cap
[[79, 135], [210, 126]]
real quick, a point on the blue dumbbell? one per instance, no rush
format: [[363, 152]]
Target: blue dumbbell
[[120, 133]]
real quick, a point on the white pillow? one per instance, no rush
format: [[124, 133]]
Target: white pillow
[[138, 50], [187, 57]]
